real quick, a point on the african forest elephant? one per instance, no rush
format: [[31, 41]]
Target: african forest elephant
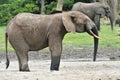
[[31, 32], [94, 11]]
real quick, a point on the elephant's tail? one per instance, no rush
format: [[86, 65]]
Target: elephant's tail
[[7, 59]]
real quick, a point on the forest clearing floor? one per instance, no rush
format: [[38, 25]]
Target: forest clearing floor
[[76, 64]]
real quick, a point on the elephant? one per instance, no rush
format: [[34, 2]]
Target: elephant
[[32, 32], [94, 11], [117, 21]]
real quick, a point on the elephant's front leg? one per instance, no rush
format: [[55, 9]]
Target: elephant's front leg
[[55, 45], [97, 21]]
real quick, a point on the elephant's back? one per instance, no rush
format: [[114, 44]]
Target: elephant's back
[[85, 8], [27, 19], [80, 6]]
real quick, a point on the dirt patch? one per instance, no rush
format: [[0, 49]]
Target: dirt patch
[[103, 70], [76, 52], [76, 64]]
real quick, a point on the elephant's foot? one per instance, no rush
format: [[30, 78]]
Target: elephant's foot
[[54, 68], [24, 68]]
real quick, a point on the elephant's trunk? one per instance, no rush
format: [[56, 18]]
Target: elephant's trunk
[[94, 33], [111, 21]]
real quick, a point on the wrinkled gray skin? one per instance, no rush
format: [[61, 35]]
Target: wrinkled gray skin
[[94, 11], [31, 32]]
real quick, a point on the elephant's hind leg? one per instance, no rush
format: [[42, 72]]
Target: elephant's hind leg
[[23, 60], [21, 49]]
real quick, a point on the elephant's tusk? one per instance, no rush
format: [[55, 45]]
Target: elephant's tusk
[[94, 35]]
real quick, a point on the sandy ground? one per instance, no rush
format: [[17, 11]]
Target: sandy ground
[[100, 70], [76, 64]]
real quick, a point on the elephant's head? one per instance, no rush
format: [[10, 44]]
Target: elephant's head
[[75, 21], [104, 10]]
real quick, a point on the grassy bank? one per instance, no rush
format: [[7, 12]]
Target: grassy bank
[[108, 39]]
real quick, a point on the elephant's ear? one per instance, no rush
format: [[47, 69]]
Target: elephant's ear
[[100, 11], [67, 21]]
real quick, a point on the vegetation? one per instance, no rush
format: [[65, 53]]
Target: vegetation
[[13, 7], [9, 8], [108, 39]]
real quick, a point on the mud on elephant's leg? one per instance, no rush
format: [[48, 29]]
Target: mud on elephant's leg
[[55, 62], [55, 46]]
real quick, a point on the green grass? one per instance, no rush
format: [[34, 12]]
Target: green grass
[[2, 39], [108, 39]]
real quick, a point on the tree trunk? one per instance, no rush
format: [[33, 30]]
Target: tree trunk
[[42, 6], [118, 7], [59, 5]]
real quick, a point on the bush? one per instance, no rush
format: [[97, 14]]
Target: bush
[[67, 5], [10, 8], [50, 7], [4, 13], [13, 7]]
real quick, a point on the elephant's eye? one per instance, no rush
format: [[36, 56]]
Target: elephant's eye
[[107, 10]]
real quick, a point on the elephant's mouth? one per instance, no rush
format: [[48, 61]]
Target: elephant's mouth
[[94, 35]]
